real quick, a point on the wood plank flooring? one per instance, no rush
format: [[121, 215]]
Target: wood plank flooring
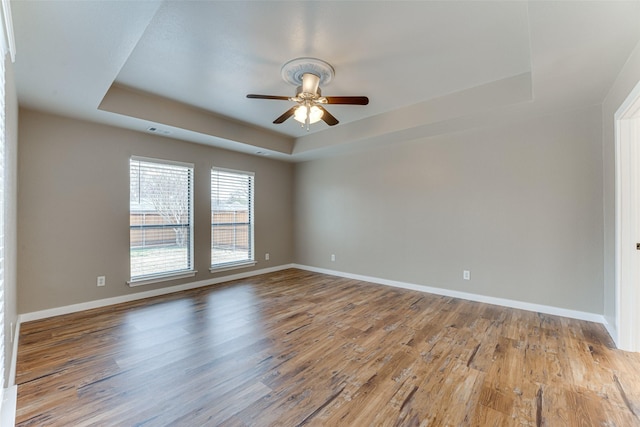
[[296, 348]]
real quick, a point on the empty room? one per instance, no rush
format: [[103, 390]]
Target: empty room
[[329, 213]]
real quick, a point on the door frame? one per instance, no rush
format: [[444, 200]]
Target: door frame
[[627, 233]]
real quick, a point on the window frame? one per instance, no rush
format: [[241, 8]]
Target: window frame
[[3, 223], [189, 270], [251, 261]]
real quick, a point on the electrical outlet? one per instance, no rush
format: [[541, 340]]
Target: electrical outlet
[[102, 280], [466, 275], [266, 256], [333, 257]]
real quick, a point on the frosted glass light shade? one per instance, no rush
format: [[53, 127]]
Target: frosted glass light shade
[[314, 115]]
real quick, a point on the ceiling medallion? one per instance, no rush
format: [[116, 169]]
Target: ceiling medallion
[[293, 70]]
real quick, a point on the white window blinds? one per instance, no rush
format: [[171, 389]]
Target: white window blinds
[[160, 218], [231, 218], [2, 223]]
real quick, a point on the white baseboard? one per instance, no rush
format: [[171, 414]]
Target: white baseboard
[[73, 308], [557, 311], [539, 308], [8, 412], [14, 355], [10, 394], [613, 331]]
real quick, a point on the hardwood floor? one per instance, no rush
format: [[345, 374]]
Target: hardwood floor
[[292, 348]]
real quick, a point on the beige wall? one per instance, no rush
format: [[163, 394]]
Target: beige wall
[[520, 206], [628, 78], [10, 218], [73, 205]]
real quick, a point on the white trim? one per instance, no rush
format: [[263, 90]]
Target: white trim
[[10, 39], [233, 171], [227, 267], [10, 394], [539, 308], [9, 401], [14, 354], [618, 229], [43, 314], [147, 280], [162, 161], [627, 209], [629, 107], [613, 332]]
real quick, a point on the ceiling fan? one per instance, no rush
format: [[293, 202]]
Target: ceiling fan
[[308, 74]]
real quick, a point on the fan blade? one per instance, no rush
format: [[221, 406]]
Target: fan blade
[[351, 100], [286, 115], [327, 116], [281, 98]]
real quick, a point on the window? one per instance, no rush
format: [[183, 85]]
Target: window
[[160, 219], [7, 200], [2, 220], [231, 219]]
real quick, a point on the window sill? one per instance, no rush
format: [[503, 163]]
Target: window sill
[[232, 266], [160, 278]]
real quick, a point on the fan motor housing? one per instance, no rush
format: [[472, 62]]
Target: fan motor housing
[[301, 94]]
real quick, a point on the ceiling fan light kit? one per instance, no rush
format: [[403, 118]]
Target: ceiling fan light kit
[[308, 74], [304, 113]]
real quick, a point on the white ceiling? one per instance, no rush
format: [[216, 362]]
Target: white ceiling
[[421, 63]]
